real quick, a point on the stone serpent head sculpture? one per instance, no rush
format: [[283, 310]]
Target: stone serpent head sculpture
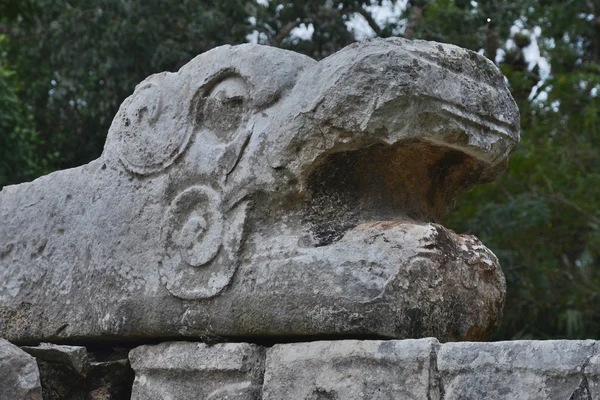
[[257, 192]]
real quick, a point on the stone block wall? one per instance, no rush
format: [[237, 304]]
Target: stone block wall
[[372, 370], [411, 369]]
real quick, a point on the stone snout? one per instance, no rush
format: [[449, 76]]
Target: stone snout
[[373, 145], [259, 193]]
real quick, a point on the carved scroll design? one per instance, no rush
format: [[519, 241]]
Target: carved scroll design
[[154, 126], [200, 231], [151, 131], [201, 243], [201, 234]]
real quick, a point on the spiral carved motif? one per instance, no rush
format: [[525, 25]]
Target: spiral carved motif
[[196, 263], [152, 132]]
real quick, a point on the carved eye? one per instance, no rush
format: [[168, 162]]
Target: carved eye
[[224, 109]]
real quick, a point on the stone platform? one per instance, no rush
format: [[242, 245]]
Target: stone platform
[[369, 370], [323, 370]]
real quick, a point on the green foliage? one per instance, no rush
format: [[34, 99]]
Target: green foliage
[[541, 218], [80, 59], [18, 138]]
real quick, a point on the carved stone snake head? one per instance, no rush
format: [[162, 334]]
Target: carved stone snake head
[[257, 181]]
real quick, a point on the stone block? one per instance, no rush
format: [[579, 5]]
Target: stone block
[[19, 375], [520, 370], [352, 370], [73, 357], [184, 370], [70, 373]]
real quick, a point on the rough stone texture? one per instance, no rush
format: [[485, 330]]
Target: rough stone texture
[[181, 370], [370, 370], [322, 370], [592, 372], [520, 370], [257, 192], [68, 372], [74, 357], [19, 375], [352, 370]]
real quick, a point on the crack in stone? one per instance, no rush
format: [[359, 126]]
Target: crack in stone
[[582, 392], [435, 389]]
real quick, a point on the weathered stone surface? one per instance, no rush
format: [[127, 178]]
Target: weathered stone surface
[[424, 369], [67, 372], [19, 375], [181, 370], [73, 357], [520, 370], [335, 370], [592, 372], [257, 192], [352, 370]]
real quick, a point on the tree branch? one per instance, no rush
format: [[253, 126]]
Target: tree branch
[[561, 199], [416, 16], [590, 5], [283, 32], [7, 30], [378, 31]]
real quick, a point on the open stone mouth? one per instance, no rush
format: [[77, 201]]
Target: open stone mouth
[[411, 181]]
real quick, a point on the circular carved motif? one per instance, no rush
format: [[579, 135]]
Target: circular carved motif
[[199, 239], [198, 257], [223, 109], [151, 131]]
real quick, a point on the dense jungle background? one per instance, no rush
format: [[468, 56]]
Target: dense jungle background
[[66, 65]]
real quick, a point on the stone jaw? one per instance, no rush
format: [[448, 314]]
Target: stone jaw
[[257, 192]]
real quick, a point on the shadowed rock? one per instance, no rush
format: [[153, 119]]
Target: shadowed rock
[[68, 372], [19, 374]]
